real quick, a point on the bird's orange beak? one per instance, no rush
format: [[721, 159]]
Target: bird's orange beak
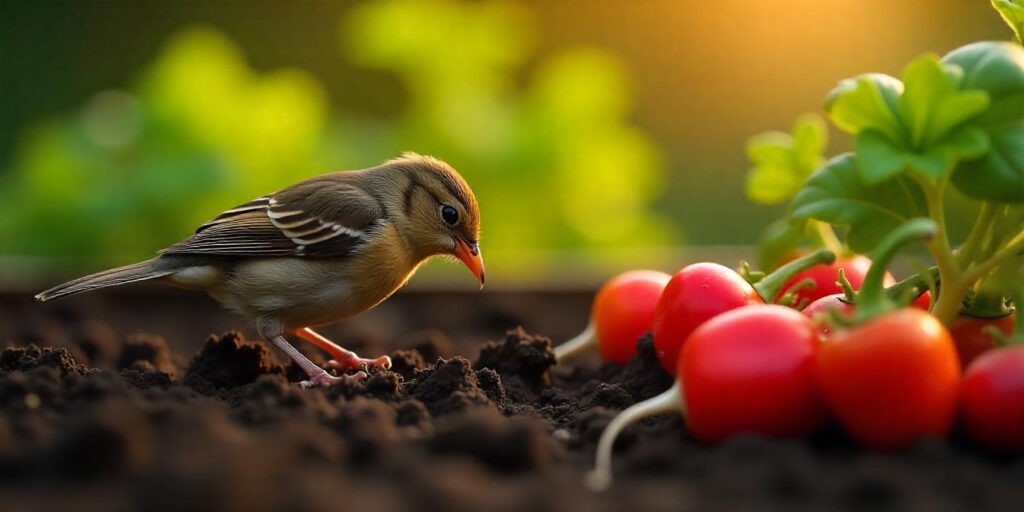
[[470, 255]]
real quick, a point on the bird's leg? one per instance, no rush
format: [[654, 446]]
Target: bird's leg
[[343, 359], [317, 376]]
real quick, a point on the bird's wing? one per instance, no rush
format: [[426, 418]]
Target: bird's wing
[[317, 219]]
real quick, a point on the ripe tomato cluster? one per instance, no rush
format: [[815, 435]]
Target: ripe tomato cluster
[[889, 374]]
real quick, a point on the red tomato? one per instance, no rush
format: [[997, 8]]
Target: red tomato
[[694, 295], [893, 379], [970, 337], [818, 311], [752, 370], [825, 277], [623, 310], [993, 399]]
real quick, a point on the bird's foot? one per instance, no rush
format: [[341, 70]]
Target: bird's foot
[[355, 362], [323, 379]]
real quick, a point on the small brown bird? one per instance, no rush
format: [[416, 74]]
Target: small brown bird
[[319, 252]]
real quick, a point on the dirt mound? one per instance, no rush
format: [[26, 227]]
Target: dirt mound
[[229, 361], [511, 431]]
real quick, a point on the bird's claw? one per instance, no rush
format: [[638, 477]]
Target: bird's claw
[[362, 364], [325, 380]]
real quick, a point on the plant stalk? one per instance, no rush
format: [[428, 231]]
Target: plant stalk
[[770, 286], [1011, 249], [953, 289], [872, 300], [969, 250], [913, 286]]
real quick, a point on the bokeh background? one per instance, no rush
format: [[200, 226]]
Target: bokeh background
[[598, 135]]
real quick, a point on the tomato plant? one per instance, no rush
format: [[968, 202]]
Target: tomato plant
[[702, 291], [891, 377], [949, 123], [623, 310], [904, 164], [749, 370]]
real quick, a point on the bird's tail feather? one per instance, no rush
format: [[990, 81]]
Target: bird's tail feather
[[142, 271]]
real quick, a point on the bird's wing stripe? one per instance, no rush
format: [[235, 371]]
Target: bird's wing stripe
[[280, 225], [288, 220], [311, 241], [294, 233], [260, 203], [277, 215], [297, 224]]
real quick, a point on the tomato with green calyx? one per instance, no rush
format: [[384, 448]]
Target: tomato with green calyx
[[823, 279], [992, 393], [891, 377], [992, 396], [623, 310], [973, 335], [825, 309], [702, 291], [985, 316], [893, 380], [749, 370]]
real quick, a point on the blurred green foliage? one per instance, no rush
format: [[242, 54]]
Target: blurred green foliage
[[546, 143], [782, 162]]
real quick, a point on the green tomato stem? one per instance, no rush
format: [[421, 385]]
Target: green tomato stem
[[848, 292], [872, 300], [769, 286], [953, 289], [969, 250], [912, 286], [1012, 248]]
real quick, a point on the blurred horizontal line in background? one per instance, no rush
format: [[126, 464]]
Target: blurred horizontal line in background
[[568, 270]]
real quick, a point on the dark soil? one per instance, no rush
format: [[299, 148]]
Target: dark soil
[[96, 422]]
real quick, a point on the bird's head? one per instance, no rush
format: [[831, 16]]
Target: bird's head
[[439, 211]]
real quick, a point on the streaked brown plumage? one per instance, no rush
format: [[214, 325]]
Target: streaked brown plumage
[[320, 251]]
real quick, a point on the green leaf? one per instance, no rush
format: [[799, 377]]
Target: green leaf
[[1012, 12], [782, 162], [996, 68], [931, 105], [879, 159], [998, 176], [810, 136], [837, 195], [771, 184], [919, 124], [867, 102]]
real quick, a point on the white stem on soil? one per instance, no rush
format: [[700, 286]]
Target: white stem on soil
[[583, 341], [600, 478]]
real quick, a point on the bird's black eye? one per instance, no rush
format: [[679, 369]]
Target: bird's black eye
[[449, 215]]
